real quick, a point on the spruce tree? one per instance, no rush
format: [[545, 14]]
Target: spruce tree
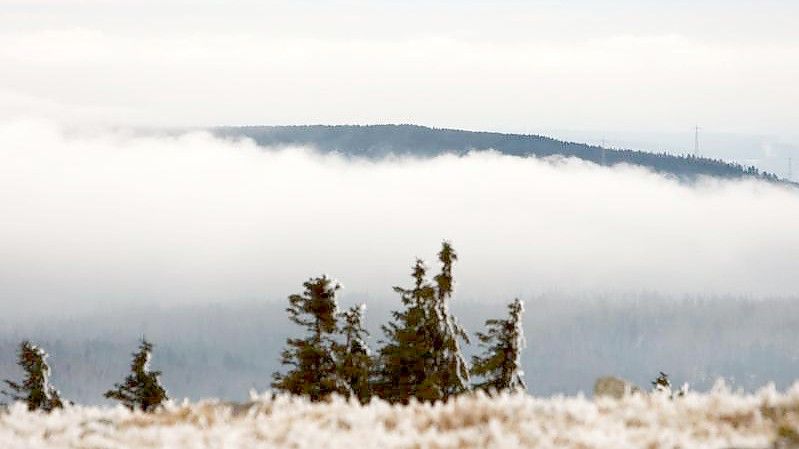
[[421, 356], [354, 362], [662, 383], [35, 390], [499, 364], [452, 370], [405, 360], [141, 389], [314, 371]]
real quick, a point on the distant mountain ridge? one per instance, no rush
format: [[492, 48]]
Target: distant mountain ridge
[[376, 141]]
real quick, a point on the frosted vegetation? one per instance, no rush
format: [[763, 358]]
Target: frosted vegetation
[[414, 392], [718, 419]]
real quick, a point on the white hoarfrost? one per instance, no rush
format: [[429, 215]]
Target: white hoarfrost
[[718, 419]]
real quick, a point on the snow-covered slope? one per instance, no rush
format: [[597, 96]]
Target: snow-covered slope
[[718, 419]]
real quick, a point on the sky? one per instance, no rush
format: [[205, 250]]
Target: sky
[[576, 68]]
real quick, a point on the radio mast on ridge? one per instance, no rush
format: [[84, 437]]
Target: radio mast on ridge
[[696, 140]]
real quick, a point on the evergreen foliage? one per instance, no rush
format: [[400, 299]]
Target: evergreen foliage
[[662, 383], [405, 360], [141, 389], [500, 363], [35, 390], [315, 372], [452, 371], [352, 357], [421, 356]]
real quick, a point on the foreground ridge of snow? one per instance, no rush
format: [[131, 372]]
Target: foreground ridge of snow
[[718, 419]]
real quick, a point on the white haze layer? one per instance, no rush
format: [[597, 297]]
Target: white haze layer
[[109, 216]]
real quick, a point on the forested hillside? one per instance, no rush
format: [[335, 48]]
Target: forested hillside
[[376, 141]]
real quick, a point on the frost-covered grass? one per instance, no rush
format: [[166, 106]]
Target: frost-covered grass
[[718, 419]]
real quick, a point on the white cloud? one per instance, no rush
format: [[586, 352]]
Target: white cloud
[[110, 216], [509, 67]]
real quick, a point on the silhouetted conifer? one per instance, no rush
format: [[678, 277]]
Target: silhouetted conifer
[[662, 383], [405, 361], [314, 371], [452, 370], [141, 389], [35, 390], [352, 356], [421, 356], [500, 363]]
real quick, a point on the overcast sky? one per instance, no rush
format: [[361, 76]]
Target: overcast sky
[[543, 66]]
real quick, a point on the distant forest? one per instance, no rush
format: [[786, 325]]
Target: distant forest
[[571, 340], [376, 141]]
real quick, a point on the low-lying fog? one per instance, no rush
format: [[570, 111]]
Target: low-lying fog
[[109, 217], [97, 225]]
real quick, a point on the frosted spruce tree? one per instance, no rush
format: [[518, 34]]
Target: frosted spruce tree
[[354, 363], [662, 385], [141, 389], [405, 367], [35, 390], [421, 357], [500, 363], [314, 370], [452, 371]]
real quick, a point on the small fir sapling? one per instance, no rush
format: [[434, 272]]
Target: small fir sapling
[[35, 389], [141, 389], [500, 363]]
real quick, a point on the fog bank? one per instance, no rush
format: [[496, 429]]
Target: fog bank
[[109, 216]]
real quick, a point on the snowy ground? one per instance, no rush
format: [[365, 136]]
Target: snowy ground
[[718, 419]]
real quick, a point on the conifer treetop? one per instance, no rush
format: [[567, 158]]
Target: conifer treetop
[[141, 389], [35, 390], [500, 363], [421, 356], [317, 307], [314, 370]]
